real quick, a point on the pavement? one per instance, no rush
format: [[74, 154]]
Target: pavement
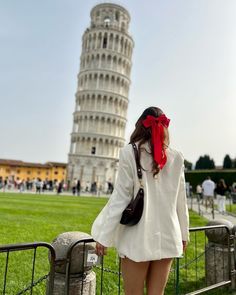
[[200, 209], [54, 193]]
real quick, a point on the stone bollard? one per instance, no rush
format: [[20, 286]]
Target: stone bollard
[[77, 281], [217, 262]]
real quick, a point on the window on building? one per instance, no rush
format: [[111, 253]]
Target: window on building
[[93, 150], [28, 172], [107, 21], [104, 44], [18, 171], [56, 172], [123, 26], [117, 16]]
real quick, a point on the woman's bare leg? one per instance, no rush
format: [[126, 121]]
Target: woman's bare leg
[[157, 276], [134, 275]]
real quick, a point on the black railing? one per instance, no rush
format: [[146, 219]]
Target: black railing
[[189, 275], [193, 272], [8, 249], [100, 268], [199, 203]]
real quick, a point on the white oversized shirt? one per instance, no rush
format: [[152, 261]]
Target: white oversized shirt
[[208, 187], [165, 221]]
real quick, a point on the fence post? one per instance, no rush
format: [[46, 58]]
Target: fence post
[[177, 277], [219, 253], [230, 203], [73, 275]]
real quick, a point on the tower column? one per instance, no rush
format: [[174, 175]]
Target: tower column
[[102, 95]]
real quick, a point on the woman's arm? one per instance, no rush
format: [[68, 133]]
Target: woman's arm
[[106, 223], [182, 208]]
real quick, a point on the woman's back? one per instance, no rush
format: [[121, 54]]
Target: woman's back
[[152, 238]]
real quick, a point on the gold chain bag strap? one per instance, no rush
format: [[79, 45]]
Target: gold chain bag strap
[[133, 212]]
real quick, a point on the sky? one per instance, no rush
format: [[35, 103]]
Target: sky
[[184, 62]]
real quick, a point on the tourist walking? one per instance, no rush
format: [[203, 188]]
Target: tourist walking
[[199, 192], [74, 186], [208, 187], [38, 185], [147, 248], [220, 191], [60, 187], [78, 187]]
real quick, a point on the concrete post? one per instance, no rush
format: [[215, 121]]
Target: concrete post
[[77, 280], [219, 255]]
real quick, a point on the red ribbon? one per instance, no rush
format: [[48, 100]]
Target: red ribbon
[[157, 124]]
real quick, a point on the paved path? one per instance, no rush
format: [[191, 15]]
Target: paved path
[[195, 207], [53, 193]]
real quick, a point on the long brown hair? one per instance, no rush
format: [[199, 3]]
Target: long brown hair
[[142, 135], [222, 183]]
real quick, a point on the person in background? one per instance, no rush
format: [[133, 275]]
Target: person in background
[[74, 186], [208, 187], [38, 185], [78, 187], [60, 187], [199, 192], [220, 191], [147, 248], [234, 187]]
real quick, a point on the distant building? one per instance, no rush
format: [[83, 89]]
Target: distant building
[[18, 170], [99, 119]]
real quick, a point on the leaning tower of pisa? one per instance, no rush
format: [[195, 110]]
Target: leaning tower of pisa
[[99, 118]]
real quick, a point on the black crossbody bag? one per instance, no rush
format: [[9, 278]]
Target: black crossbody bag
[[133, 212]]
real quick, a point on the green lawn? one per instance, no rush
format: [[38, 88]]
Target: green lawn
[[29, 217], [231, 208]]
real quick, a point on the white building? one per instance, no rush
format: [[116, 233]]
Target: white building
[[99, 119]]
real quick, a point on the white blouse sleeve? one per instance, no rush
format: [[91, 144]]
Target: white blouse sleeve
[[103, 228], [182, 208]]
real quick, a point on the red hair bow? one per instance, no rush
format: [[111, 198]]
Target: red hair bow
[[157, 124]]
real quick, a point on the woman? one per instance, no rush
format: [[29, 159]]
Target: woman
[[199, 193], [220, 191], [147, 248]]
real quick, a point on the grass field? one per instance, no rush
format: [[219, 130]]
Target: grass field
[[28, 218], [231, 208]]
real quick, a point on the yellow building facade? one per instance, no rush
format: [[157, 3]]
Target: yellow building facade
[[19, 170]]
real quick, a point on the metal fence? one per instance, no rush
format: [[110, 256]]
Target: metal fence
[[209, 264], [205, 268], [33, 247], [195, 199], [189, 274]]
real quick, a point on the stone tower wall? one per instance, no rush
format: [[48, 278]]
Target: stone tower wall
[[99, 119]]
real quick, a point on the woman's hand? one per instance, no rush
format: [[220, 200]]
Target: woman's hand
[[184, 245], [100, 249]]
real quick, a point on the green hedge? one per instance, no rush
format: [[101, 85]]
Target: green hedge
[[196, 177]]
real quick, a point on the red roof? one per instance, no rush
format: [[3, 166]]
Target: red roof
[[18, 163]]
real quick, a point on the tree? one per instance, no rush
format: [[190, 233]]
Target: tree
[[199, 163], [227, 163], [188, 165], [205, 162]]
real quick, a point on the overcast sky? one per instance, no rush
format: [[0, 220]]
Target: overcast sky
[[184, 62]]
